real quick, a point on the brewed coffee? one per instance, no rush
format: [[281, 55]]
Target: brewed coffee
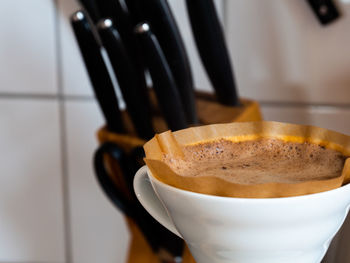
[[266, 160]]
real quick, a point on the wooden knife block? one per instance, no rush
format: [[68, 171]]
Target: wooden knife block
[[209, 112]]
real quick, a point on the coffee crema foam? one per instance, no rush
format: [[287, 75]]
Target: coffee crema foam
[[265, 160]]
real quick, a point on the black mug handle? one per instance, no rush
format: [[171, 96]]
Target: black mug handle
[[128, 169], [156, 235]]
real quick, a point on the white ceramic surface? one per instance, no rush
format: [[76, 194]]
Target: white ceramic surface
[[226, 230]]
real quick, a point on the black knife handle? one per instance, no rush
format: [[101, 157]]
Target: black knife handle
[[212, 48], [158, 14], [325, 10], [121, 18], [163, 81], [114, 10], [108, 8], [91, 8], [135, 10], [97, 71], [156, 235], [129, 84]]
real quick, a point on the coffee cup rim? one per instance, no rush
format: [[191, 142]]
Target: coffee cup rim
[[246, 199]]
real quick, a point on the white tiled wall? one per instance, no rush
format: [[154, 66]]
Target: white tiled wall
[[281, 53], [31, 205], [27, 47], [329, 117], [31, 212], [98, 230], [51, 208]]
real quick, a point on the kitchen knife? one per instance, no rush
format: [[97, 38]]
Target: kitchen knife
[[109, 8], [120, 16], [158, 14], [129, 83], [91, 9], [97, 71], [325, 10], [211, 45], [163, 81], [135, 11]]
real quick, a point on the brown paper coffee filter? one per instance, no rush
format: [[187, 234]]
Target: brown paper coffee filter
[[172, 143]]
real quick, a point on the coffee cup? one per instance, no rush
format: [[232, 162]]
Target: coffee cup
[[246, 230]]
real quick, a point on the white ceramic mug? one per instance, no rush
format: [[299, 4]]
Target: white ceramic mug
[[246, 230]]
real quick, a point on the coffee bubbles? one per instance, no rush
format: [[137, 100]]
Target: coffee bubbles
[[266, 160]]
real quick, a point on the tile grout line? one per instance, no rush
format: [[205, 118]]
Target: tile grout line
[[29, 261], [28, 96], [63, 140], [284, 104], [87, 98], [225, 19]]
